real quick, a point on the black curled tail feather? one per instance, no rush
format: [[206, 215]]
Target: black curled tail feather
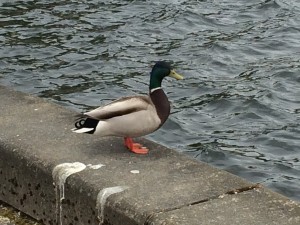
[[86, 122], [80, 123]]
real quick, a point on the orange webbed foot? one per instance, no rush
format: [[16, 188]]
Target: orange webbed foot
[[135, 147]]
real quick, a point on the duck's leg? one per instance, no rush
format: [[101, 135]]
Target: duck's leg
[[135, 147]]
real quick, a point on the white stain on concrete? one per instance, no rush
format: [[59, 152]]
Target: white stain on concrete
[[134, 171], [102, 198], [62, 171], [60, 174], [95, 167]]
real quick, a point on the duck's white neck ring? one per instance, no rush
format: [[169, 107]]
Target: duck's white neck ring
[[154, 89]]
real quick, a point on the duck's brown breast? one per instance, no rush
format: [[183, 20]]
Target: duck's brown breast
[[161, 103]]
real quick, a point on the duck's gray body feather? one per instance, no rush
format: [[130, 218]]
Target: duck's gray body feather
[[127, 117]]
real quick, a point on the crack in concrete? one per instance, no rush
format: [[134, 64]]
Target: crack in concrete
[[243, 189], [231, 192]]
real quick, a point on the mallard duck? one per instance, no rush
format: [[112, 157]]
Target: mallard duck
[[132, 116]]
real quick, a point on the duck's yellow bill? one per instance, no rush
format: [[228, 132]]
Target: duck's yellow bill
[[175, 75]]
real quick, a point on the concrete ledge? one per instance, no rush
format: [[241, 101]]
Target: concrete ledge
[[60, 177], [258, 206]]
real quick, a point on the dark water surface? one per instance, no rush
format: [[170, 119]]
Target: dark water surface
[[239, 106]]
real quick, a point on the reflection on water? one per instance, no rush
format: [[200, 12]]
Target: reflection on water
[[237, 109]]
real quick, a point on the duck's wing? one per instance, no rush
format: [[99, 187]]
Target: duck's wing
[[120, 107]]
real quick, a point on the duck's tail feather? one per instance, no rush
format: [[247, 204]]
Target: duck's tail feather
[[85, 125], [82, 130]]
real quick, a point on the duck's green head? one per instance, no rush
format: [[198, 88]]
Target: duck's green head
[[160, 70]]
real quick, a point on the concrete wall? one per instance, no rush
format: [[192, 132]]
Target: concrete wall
[[60, 177]]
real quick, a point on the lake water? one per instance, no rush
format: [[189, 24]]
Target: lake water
[[239, 105]]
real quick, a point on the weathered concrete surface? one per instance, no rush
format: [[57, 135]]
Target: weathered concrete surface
[[254, 207], [35, 137]]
